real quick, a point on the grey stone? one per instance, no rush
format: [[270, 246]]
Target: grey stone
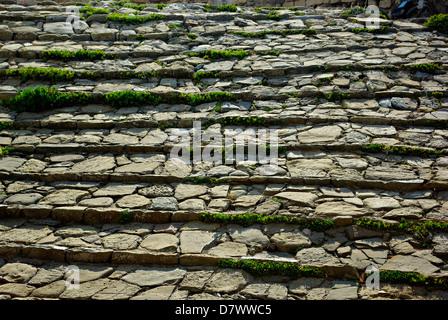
[[195, 281], [193, 205], [161, 242], [229, 249], [315, 257], [158, 293], [251, 236], [227, 281], [185, 191], [17, 272], [177, 168], [164, 203], [286, 241], [322, 134], [59, 28], [10, 164], [115, 189], [405, 263], [23, 198], [133, 201], [65, 197], [382, 203], [117, 290], [95, 164], [336, 208], [120, 241], [196, 241], [299, 198], [149, 276]]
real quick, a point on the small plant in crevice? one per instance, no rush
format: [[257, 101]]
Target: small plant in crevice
[[438, 22], [4, 151], [247, 219], [52, 75], [160, 6], [227, 7], [384, 29], [198, 76], [437, 123], [269, 268], [127, 217], [204, 180], [412, 278], [212, 55], [424, 67], [333, 96], [126, 18], [283, 33], [43, 98], [408, 151], [7, 125], [192, 36], [128, 97], [81, 54]]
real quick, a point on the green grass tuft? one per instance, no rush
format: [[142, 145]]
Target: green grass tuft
[[268, 268], [438, 22]]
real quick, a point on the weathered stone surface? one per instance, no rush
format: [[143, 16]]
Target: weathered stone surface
[[16, 289], [336, 208], [86, 290], [195, 281], [247, 201], [164, 203], [95, 164], [195, 241], [409, 264], [120, 241], [133, 201], [64, 197], [193, 205], [10, 164], [177, 168], [405, 212], [227, 281], [117, 290], [162, 242], [286, 241], [322, 134], [23, 199], [27, 234], [251, 236], [381, 203], [185, 191], [229, 249], [115, 189], [158, 293], [315, 257], [51, 290], [17, 272], [299, 198], [146, 276]]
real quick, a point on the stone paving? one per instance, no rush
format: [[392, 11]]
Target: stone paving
[[74, 171]]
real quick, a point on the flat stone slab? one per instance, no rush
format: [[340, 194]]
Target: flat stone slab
[[146, 277], [406, 263]]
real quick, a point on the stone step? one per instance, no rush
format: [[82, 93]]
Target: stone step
[[300, 112], [342, 254], [40, 279], [162, 201], [48, 137]]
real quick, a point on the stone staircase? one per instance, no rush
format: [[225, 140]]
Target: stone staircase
[[361, 119]]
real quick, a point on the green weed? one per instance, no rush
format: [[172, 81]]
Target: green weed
[[268, 268]]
